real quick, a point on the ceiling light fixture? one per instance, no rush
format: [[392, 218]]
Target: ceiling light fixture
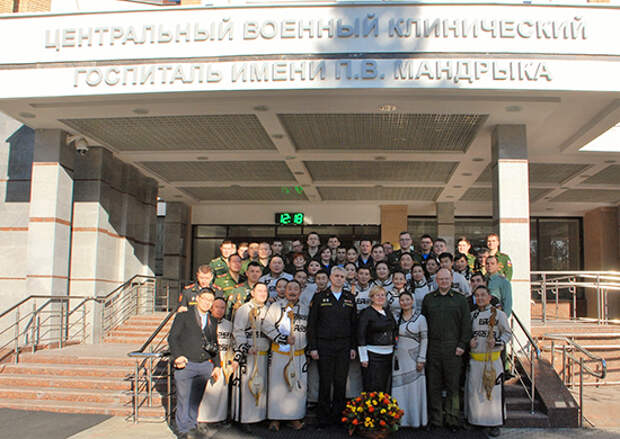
[[27, 115], [513, 108], [140, 111], [261, 108], [387, 108]]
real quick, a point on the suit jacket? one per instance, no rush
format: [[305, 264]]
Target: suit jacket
[[187, 338]]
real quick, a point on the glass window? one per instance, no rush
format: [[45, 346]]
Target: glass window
[[204, 251], [559, 244], [418, 226], [236, 233]]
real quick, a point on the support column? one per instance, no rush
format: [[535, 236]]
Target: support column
[[445, 223], [601, 233], [176, 224], [393, 221], [511, 209], [49, 227]]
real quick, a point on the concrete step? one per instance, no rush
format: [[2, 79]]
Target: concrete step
[[80, 407], [63, 382], [122, 332], [62, 370], [130, 340], [522, 404], [525, 419], [145, 327], [83, 395], [74, 360]]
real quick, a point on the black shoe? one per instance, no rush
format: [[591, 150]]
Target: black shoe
[[246, 428], [321, 426], [494, 431], [453, 428]]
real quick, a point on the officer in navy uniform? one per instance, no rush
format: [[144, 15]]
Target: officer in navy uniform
[[332, 326], [204, 279]]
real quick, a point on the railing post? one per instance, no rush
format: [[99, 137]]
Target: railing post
[[598, 299], [564, 365], [552, 352], [37, 333], [84, 322], [581, 392], [168, 296], [34, 316], [556, 292], [17, 335], [533, 380], [61, 325], [543, 297], [135, 393], [605, 305], [169, 388], [512, 344]]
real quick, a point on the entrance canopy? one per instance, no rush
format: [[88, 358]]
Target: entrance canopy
[[315, 105]]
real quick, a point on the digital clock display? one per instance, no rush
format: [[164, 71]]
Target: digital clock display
[[289, 219]]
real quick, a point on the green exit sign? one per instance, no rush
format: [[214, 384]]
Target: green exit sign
[[289, 218]]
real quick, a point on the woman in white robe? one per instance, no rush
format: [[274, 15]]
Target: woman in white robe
[[399, 285], [419, 286], [490, 334], [285, 325], [249, 404], [408, 377], [214, 404]]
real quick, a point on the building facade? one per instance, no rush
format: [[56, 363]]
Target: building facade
[[368, 118]]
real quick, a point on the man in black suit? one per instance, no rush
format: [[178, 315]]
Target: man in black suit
[[195, 353]]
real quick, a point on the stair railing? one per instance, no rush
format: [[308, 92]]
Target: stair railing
[[43, 321], [529, 349], [570, 357], [556, 283], [40, 321], [149, 373]]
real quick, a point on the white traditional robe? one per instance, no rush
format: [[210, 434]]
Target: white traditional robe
[[420, 290], [284, 402], [479, 410], [409, 385], [244, 406], [214, 404], [392, 299], [272, 280], [307, 293]]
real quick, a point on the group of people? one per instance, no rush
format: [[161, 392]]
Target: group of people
[[262, 335]]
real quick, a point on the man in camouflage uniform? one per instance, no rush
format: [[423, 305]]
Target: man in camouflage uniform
[[219, 265], [449, 332], [232, 278], [505, 264], [239, 295]]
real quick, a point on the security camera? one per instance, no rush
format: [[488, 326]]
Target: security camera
[[80, 143]]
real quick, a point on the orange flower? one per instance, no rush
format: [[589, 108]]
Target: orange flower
[[371, 409], [358, 399], [355, 422], [382, 423], [344, 419]]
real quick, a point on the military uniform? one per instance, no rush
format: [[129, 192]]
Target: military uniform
[[219, 267], [449, 327], [227, 284], [505, 265], [331, 331], [188, 296], [500, 287], [239, 295], [471, 261]]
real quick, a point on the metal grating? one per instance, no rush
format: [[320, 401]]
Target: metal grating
[[220, 171], [238, 193], [609, 175], [486, 194], [588, 196], [392, 132], [378, 193], [542, 172], [381, 171], [165, 133]]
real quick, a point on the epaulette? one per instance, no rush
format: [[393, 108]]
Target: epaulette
[[187, 287]]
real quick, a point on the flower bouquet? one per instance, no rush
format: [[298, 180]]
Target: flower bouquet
[[372, 414]]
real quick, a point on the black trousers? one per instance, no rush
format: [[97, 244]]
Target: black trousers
[[334, 360], [377, 376]]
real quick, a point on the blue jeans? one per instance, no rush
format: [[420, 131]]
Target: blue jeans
[[190, 382]]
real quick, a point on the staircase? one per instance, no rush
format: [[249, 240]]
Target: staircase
[[82, 378]]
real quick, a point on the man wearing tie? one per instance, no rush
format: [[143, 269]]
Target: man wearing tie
[[194, 352]]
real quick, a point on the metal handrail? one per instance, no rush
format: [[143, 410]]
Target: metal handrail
[[534, 354], [569, 347], [603, 282], [145, 368]]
